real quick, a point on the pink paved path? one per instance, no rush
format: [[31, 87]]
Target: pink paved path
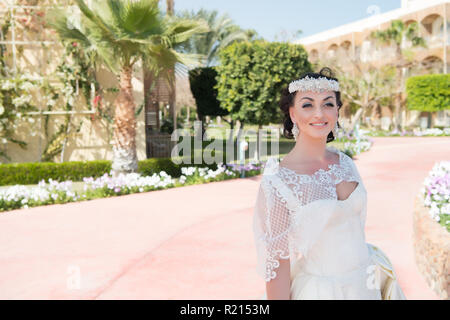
[[194, 242]]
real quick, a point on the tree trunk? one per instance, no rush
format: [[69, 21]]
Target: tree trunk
[[397, 108], [230, 137], [355, 119], [200, 134], [231, 124], [430, 120], [124, 158], [398, 95], [258, 142], [150, 100], [412, 118], [172, 100], [172, 84], [170, 4]]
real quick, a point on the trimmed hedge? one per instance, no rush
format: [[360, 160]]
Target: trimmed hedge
[[429, 92], [32, 173]]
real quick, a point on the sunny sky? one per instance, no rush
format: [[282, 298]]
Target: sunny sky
[[275, 17]]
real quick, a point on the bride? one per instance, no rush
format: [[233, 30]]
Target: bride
[[311, 207]]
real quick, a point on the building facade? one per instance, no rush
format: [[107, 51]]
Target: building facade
[[353, 42]]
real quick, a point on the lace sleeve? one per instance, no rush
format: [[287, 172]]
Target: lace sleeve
[[363, 214], [271, 231]]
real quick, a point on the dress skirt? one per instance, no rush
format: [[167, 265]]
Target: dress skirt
[[374, 280]]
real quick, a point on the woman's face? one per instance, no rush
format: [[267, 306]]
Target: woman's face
[[314, 107]]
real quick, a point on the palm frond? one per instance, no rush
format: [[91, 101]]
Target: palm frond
[[106, 31], [222, 33], [136, 19], [58, 20], [180, 30], [119, 33]]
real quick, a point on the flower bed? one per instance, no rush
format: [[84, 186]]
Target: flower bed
[[20, 196], [351, 144], [436, 193], [432, 239], [351, 147]]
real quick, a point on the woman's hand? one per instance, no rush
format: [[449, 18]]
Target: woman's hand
[[280, 287]]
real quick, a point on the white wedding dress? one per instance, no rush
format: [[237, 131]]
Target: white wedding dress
[[299, 217]]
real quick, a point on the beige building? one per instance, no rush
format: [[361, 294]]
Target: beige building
[[352, 41], [32, 48]]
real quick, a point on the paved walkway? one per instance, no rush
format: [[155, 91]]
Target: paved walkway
[[194, 242]]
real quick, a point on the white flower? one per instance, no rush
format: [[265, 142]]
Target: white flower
[[26, 86], [2, 109], [188, 171], [70, 101], [22, 100], [7, 85], [445, 209]]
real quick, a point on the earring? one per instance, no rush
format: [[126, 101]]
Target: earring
[[335, 130], [295, 131]]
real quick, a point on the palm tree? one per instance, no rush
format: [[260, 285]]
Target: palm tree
[[170, 5], [172, 85], [366, 87], [397, 34], [119, 33], [222, 33], [152, 85]]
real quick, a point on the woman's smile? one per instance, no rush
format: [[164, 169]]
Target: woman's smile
[[319, 126]]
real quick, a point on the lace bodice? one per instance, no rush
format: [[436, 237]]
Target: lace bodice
[[292, 212]]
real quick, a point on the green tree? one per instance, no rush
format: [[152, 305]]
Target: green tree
[[429, 93], [202, 82], [366, 88], [252, 76], [398, 34], [223, 32], [119, 33]]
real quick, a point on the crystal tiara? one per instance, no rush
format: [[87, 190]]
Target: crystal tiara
[[311, 84]]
